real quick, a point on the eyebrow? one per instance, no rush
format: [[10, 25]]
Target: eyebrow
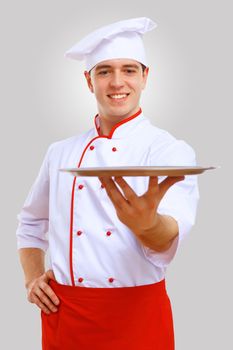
[[102, 66]]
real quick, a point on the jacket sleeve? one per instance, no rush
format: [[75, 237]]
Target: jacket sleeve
[[33, 219], [181, 199]]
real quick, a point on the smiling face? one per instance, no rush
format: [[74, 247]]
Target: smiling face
[[117, 85]]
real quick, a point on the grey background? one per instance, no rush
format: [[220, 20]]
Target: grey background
[[44, 98]]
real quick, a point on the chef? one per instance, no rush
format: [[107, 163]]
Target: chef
[[110, 239]]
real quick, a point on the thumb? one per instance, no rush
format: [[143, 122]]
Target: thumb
[[50, 275]]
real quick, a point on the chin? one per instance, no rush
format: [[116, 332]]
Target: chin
[[121, 111]]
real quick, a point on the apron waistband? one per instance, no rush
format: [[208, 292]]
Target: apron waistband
[[156, 289]]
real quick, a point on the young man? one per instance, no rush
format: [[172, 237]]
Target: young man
[[110, 239]]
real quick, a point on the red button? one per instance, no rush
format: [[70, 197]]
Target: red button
[[111, 279], [80, 186], [114, 149], [109, 233], [80, 279], [91, 148], [79, 233], [102, 186]]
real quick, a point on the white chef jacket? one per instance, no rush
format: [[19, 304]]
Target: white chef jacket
[[73, 216]]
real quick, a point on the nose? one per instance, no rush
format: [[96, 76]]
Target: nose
[[116, 80]]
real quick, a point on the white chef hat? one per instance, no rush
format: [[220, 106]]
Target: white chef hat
[[118, 40]]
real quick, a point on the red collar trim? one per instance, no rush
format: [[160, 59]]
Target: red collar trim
[[117, 125]]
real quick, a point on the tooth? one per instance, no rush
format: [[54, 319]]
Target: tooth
[[118, 96]]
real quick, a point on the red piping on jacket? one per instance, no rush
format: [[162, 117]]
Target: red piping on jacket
[[118, 124], [74, 182]]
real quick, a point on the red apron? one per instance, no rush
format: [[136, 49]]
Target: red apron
[[121, 318]]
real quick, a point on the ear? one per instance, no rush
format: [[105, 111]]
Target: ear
[[145, 75], [89, 82]]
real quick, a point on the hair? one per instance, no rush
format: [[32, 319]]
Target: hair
[[143, 67]]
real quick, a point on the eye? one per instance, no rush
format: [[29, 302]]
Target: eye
[[130, 71], [103, 72]]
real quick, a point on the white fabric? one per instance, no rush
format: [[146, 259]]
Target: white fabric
[[97, 256], [118, 40]]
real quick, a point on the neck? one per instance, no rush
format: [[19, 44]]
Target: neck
[[106, 124]]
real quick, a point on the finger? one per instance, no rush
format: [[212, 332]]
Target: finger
[[167, 183], [113, 192], [127, 190], [50, 293], [47, 289], [34, 299], [41, 305], [153, 187], [45, 300]]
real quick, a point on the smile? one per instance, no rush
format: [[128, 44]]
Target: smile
[[118, 96]]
